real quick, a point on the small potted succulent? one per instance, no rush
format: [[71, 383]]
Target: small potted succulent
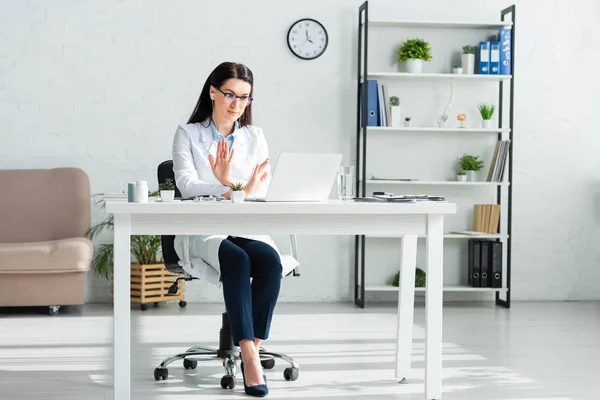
[[395, 110], [413, 52], [471, 165], [468, 59], [407, 122], [458, 69], [167, 190], [237, 193], [461, 176], [486, 111]]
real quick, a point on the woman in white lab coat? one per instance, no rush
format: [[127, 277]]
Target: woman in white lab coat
[[215, 149]]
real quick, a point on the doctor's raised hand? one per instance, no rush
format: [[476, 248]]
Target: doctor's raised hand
[[221, 164], [259, 176]]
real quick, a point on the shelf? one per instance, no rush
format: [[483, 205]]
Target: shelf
[[434, 129], [457, 183], [441, 24], [466, 77], [452, 236], [447, 288]]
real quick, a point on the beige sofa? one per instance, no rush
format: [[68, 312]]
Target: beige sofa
[[44, 245]]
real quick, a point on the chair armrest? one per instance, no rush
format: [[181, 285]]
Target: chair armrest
[[294, 248]]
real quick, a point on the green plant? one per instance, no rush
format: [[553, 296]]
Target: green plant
[[458, 66], [414, 48], [468, 49], [470, 163], [394, 101], [420, 278], [166, 185], [486, 110], [145, 248], [237, 187], [407, 119], [462, 173]]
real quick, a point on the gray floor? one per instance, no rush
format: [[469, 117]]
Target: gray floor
[[532, 351]]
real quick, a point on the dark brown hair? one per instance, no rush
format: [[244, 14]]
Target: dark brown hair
[[223, 72]]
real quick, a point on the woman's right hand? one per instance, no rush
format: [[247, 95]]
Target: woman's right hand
[[221, 164], [258, 177]]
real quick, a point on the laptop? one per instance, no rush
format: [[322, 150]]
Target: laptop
[[302, 177]]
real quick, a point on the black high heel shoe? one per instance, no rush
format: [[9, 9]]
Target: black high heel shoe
[[256, 391]]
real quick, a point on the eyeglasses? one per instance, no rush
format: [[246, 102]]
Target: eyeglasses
[[230, 98]]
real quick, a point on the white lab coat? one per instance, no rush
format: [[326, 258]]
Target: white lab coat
[[199, 254]]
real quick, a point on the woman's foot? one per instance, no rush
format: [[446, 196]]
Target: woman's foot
[[252, 370]]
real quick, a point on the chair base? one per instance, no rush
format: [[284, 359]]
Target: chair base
[[229, 354]]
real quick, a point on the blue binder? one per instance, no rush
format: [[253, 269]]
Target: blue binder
[[505, 50], [494, 58], [372, 103], [484, 57]]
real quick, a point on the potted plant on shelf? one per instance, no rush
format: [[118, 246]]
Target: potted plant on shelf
[[420, 278], [471, 165], [457, 69], [413, 52], [395, 111], [486, 111], [407, 122], [237, 193], [468, 59], [461, 176]]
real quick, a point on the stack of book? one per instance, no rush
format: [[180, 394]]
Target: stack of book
[[498, 164], [486, 218]]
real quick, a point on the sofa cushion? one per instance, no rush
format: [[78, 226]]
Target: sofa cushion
[[38, 205], [66, 255]]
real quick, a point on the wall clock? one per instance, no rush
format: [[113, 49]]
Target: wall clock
[[307, 39]]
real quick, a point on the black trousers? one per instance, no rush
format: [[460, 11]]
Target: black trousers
[[250, 305]]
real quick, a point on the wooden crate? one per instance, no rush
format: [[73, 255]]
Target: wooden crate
[[150, 284]]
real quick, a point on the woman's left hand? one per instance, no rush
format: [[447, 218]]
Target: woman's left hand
[[221, 165]]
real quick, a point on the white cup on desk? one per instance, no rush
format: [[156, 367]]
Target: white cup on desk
[[167, 195]]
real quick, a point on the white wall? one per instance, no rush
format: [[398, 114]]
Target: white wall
[[103, 88]]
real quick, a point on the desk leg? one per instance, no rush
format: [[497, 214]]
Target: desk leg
[[406, 301], [122, 308], [433, 307]]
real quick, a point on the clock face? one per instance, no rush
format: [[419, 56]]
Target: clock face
[[307, 39]]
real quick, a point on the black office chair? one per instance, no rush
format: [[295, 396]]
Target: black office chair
[[227, 351]]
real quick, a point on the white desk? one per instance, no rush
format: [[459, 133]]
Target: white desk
[[328, 218]]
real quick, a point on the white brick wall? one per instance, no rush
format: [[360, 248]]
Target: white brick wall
[[102, 86]]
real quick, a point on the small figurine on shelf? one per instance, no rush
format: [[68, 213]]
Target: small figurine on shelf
[[407, 122], [462, 118]]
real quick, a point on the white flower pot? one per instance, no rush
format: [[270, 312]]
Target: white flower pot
[[473, 176], [407, 124], [238, 196], [413, 66], [461, 178], [396, 116], [167, 195], [458, 71], [486, 123], [468, 63]]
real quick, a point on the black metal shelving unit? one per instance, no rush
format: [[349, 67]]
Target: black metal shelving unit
[[361, 151]]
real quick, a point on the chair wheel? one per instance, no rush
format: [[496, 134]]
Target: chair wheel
[[189, 364], [182, 303], [228, 382], [161, 373], [53, 310], [290, 373], [268, 363], [156, 304], [143, 307]]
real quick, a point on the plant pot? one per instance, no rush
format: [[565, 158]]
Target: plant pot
[[457, 71], [461, 178], [473, 176], [396, 116], [413, 65], [468, 63], [486, 123], [167, 195], [407, 124], [238, 196]]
